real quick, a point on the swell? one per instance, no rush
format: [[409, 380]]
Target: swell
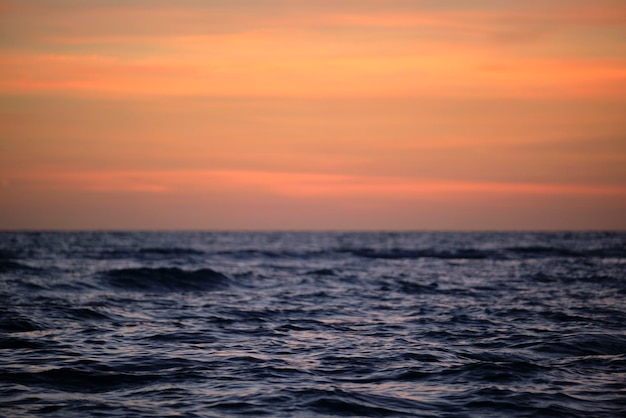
[[353, 403], [89, 377], [15, 322], [8, 265], [507, 253], [504, 253], [401, 253], [165, 279], [581, 345], [148, 253]]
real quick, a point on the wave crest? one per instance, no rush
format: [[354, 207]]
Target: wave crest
[[166, 279]]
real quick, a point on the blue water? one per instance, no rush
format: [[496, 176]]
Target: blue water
[[313, 324]]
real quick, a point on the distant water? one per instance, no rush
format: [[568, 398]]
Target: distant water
[[313, 324]]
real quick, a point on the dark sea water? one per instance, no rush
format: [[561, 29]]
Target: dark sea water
[[313, 324]]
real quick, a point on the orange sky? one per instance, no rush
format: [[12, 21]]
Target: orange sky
[[277, 114]]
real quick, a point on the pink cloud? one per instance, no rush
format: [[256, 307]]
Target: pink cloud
[[297, 185]]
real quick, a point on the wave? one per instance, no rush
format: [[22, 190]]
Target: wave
[[175, 251], [503, 253], [178, 338], [166, 279], [594, 344], [7, 265], [534, 251], [523, 252], [400, 253], [14, 322], [13, 343], [148, 253], [252, 254], [351, 403], [80, 380], [604, 280], [538, 251], [497, 401], [83, 314], [322, 272]]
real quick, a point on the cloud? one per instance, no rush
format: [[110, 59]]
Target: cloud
[[316, 49], [278, 73], [354, 101], [291, 184], [138, 21]]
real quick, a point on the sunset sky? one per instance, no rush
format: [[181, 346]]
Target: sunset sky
[[313, 114]]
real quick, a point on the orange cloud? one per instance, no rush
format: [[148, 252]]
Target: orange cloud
[[271, 73], [315, 51], [301, 185], [314, 100]]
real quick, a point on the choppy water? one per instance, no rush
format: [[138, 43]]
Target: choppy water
[[313, 324]]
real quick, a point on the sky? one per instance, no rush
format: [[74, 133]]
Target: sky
[[313, 114]]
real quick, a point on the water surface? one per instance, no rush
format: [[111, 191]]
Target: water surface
[[313, 324]]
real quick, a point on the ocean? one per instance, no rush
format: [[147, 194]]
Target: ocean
[[284, 324]]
